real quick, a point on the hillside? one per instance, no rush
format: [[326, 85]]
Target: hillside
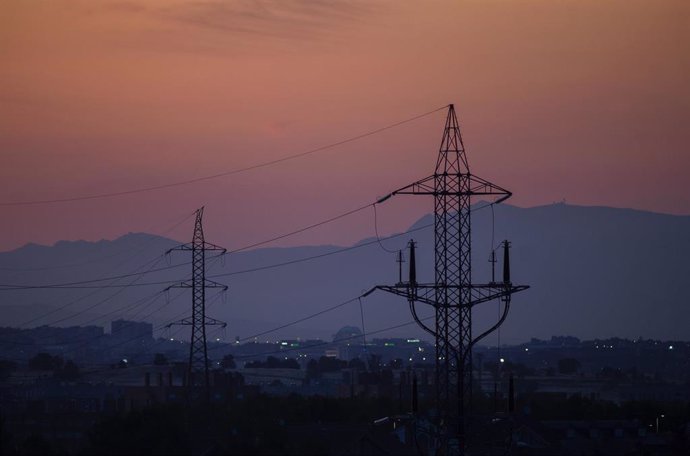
[[593, 271]]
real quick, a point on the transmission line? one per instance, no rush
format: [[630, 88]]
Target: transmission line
[[222, 174], [101, 258]]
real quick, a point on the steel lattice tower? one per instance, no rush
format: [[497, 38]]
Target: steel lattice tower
[[198, 354], [453, 295]]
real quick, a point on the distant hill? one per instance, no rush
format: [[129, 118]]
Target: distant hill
[[593, 271]]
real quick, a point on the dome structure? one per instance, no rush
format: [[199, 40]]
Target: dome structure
[[349, 335]]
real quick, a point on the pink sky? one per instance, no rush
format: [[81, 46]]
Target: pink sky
[[583, 100]]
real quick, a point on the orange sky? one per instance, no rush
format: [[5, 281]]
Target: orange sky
[[583, 100]]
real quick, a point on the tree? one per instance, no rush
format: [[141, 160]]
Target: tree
[[45, 361]]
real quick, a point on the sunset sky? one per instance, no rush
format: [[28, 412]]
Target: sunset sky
[[582, 100]]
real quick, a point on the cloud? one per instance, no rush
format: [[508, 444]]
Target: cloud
[[283, 19]]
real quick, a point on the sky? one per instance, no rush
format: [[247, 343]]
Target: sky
[[583, 101]]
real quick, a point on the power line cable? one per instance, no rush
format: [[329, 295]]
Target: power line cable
[[101, 258], [67, 285], [151, 264], [222, 174], [376, 231], [326, 254], [314, 257], [99, 303], [148, 300], [4, 287], [325, 343], [300, 320], [301, 230], [151, 300], [364, 333], [342, 303], [137, 337]]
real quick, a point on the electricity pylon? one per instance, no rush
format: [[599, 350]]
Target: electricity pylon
[[453, 295], [198, 354]]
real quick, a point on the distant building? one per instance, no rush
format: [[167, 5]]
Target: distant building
[[130, 335]]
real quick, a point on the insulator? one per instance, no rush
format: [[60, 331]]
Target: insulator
[[413, 265], [506, 262]]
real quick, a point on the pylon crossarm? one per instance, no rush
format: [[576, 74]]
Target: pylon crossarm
[[489, 292], [411, 294], [212, 284], [478, 187], [183, 322], [186, 284], [426, 293], [188, 321], [187, 246], [421, 187], [190, 246], [482, 187], [209, 246], [213, 322]]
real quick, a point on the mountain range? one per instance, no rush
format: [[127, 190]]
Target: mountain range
[[594, 272]]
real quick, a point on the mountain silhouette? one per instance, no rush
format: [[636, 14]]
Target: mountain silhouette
[[593, 271]]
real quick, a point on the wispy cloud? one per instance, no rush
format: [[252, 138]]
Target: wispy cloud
[[284, 19], [213, 26]]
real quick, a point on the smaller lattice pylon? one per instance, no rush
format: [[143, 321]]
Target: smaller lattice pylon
[[198, 370]]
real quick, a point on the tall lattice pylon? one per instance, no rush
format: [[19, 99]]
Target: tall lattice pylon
[[453, 295], [198, 372]]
